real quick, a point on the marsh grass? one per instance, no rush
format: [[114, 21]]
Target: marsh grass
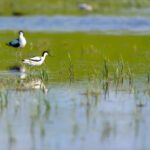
[[130, 76], [65, 7], [105, 70], [101, 78], [43, 75], [103, 59], [70, 68], [148, 78], [119, 73], [3, 99]]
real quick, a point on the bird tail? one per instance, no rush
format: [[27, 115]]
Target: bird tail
[[8, 44], [25, 61]]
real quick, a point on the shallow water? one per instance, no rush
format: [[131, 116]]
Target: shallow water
[[68, 117], [108, 24], [79, 115]]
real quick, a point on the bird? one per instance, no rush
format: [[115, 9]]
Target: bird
[[85, 7], [36, 61], [19, 42]]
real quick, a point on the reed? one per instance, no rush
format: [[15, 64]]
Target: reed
[[3, 99], [70, 68]]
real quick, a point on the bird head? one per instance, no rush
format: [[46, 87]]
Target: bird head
[[45, 53], [21, 32]]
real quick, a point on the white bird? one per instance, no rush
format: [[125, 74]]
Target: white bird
[[20, 42], [86, 7], [36, 61]]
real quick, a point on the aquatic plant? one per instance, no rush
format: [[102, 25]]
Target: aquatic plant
[[105, 70], [70, 68], [3, 99], [44, 75]]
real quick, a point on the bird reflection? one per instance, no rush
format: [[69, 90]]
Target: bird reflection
[[27, 83], [34, 84], [19, 71]]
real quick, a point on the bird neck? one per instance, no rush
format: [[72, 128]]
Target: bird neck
[[21, 36], [44, 56]]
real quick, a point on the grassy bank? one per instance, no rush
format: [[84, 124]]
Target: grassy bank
[[68, 7], [77, 55]]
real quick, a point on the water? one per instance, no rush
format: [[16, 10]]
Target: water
[[81, 115], [68, 118], [110, 24]]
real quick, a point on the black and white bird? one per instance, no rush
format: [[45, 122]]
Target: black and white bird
[[20, 42], [36, 61]]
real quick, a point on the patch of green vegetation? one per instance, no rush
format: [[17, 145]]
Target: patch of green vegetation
[[67, 7], [79, 55]]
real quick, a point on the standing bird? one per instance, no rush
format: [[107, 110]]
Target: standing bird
[[36, 61], [18, 43]]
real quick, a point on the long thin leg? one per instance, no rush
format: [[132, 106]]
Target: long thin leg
[[20, 54], [16, 56]]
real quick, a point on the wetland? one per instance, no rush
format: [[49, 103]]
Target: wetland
[[92, 92]]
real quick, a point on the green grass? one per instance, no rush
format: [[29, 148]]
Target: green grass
[[79, 55], [67, 7]]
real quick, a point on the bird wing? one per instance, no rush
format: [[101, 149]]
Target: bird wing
[[35, 58], [14, 43]]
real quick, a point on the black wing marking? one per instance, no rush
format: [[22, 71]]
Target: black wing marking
[[35, 59], [14, 43]]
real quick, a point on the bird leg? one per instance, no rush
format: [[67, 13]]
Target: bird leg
[[20, 54], [16, 56]]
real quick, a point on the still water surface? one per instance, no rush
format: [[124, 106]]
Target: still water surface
[[67, 118], [110, 24]]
